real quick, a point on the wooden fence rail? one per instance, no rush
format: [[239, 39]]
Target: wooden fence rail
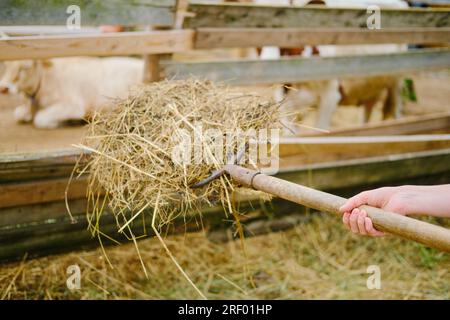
[[127, 43], [172, 41], [302, 69], [93, 12], [213, 15], [209, 38]]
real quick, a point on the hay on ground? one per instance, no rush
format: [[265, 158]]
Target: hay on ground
[[316, 260]]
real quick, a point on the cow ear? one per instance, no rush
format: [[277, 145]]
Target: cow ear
[[47, 63]]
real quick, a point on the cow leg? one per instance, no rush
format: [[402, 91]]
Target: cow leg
[[368, 108], [329, 99], [53, 116], [23, 113], [393, 107]]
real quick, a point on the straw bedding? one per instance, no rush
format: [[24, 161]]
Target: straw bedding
[[319, 259]]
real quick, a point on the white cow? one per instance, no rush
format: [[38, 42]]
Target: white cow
[[63, 89]]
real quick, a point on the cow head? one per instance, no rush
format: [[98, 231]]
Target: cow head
[[21, 77]]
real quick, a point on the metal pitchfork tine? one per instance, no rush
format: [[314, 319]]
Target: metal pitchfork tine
[[231, 159], [406, 227]]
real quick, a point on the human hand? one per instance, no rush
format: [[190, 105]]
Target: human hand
[[358, 222], [394, 199], [404, 200]]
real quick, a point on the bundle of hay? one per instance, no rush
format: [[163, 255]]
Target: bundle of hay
[[134, 149]]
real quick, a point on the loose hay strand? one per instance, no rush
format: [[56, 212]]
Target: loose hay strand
[[155, 230]]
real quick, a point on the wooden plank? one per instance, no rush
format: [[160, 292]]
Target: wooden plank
[[50, 238], [209, 38], [263, 16], [303, 69], [46, 164], [107, 44], [9, 158], [375, 170], [49, 212], [411, 125], [93, 12], [330, 149], [40, 191], [61, 235], [373, 140], [45, 30]]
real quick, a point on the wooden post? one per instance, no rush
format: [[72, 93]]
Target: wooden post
[[152, 71], [151, 68], [151, 63]]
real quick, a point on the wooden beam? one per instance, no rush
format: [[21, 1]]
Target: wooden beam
[[45, 30], [435, 123], [40, 191], [62, 235], [152, 65], [209, 38], [313, 150], [212, 15], [93, 12], [304, 69], [385, 170], [46, 212], [108, 44], [40, 165]]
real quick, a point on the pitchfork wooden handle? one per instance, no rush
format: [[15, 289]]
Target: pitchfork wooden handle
[[406, 227]]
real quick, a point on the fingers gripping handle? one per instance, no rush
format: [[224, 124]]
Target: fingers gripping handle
[[406, 227]]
